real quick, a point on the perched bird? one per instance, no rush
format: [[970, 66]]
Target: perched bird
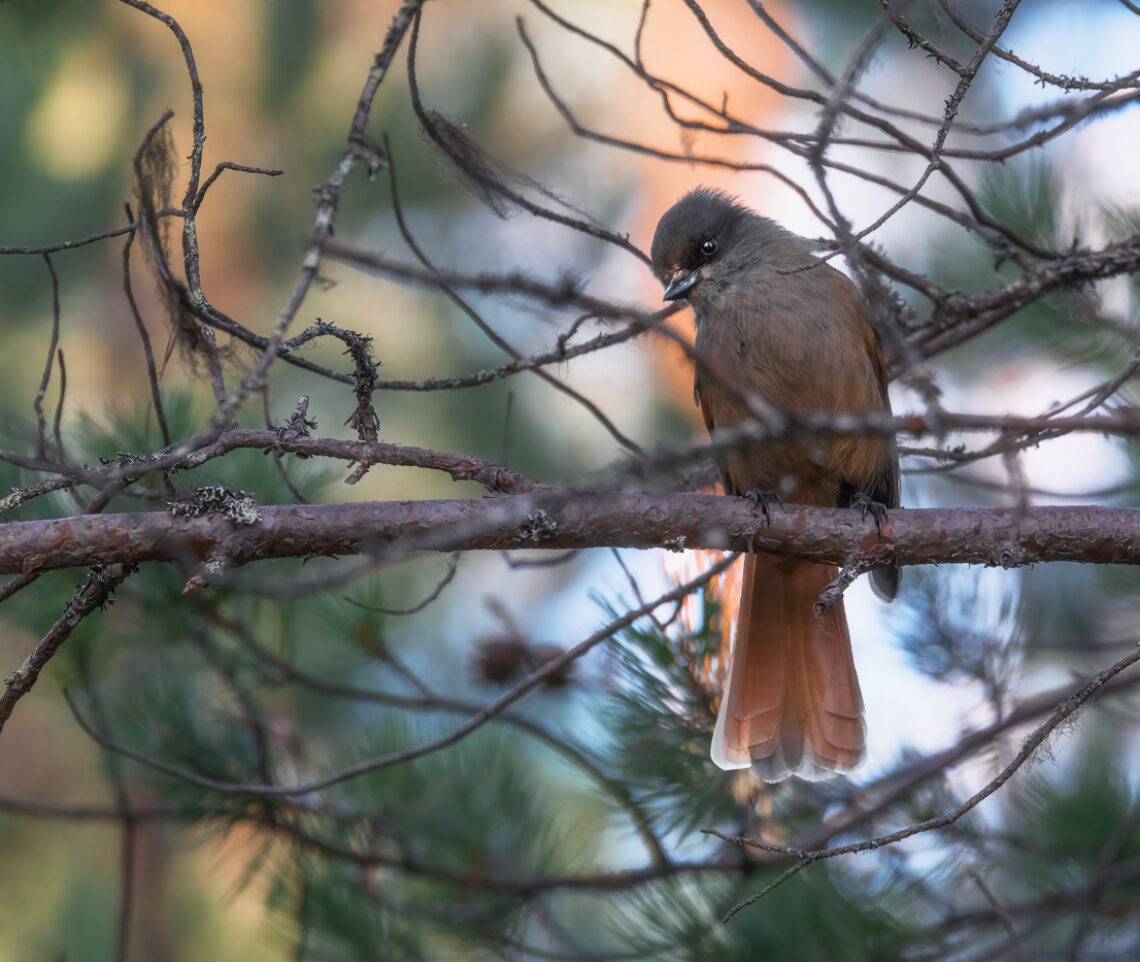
[[794, 330]]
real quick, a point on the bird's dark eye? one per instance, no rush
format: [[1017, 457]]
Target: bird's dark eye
[[708, 247]]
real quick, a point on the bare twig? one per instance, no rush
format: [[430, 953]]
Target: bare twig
[[37, 404], [494, 708], [89, 597], [1028, 749]]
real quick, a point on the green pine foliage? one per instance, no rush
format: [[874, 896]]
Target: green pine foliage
[[659, 721]]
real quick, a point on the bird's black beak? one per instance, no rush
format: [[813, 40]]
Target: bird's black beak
[[680, 285]]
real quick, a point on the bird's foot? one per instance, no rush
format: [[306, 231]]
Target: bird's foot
[[764, 500], [861, 501]]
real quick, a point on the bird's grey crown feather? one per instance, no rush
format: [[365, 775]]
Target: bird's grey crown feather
[[705, 213]]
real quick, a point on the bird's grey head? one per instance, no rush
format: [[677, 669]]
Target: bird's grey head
[[706, 240]]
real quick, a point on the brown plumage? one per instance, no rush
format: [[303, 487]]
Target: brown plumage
[[796, 331]]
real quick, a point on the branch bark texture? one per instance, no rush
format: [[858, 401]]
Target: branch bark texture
[[550, 519]]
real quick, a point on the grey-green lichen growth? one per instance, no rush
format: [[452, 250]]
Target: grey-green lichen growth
[[538, 525], [237, 506], [13, 500]]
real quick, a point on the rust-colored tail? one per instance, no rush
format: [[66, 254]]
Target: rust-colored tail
[[791, 702]]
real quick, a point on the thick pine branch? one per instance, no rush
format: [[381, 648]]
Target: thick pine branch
[[551, 519]]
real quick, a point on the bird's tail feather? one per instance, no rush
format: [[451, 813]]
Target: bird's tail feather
[[791, 702]]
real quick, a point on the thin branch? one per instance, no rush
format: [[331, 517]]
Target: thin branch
[[491, 710], [1028, 749], [871, 801], [37, 403], [89, 597], [431, 127], [228, 165], [492, 335], [144, 337], [427, 701], [329, 195], [448, 577], [69, 245]]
